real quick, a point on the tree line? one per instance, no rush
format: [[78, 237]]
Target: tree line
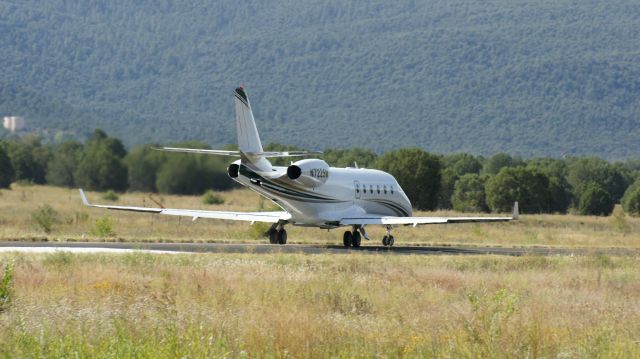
[[461, 181]]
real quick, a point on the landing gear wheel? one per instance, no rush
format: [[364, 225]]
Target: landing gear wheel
[[356, 238], [273, 236], [282, 236], [387, 241], [347, 239]]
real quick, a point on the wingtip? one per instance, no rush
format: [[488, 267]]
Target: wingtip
[[85, 201]]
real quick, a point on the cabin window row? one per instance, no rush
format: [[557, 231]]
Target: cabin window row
[[380, 189]]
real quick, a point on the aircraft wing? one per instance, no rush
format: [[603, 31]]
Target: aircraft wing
[[415, 221], [268, 217], [287, 153]]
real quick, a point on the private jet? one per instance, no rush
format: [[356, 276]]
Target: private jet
[[309, 191]]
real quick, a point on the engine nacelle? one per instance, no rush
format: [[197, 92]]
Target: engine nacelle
[[310, 173], [233, 170]]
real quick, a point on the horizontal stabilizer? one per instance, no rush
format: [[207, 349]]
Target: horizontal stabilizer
[[268, 154], [287, 154], [200, 150]]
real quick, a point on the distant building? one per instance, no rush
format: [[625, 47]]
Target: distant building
[[13, 123]]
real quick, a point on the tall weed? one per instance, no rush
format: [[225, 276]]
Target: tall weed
[[5, 286], [103, 227]]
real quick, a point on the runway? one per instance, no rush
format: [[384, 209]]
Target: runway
[[120, 247]]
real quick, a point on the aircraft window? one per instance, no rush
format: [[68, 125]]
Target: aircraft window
[[391, 189], [364, 188], [385, 189], [371, 188], [357, 188], [378, 189]]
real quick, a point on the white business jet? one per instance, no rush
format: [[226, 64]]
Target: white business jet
[[311, 193]]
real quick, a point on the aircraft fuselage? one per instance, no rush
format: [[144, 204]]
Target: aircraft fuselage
[[344, 192]]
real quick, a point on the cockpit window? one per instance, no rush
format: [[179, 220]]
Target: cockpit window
[[391, 189]]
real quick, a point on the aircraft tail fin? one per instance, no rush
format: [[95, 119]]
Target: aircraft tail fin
[[248, 138], [247, 132]]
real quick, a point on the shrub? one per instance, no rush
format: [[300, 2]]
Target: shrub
[[211, 197], [110, 196], [45, 218], [490, 321], [103, 227]]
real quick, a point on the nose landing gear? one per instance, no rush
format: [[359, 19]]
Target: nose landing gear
[[388, 239]]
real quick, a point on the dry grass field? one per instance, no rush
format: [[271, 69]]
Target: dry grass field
[[319, 306], [142, 305], [77, 222]]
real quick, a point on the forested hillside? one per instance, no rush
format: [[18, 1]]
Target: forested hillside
[[548, 78]]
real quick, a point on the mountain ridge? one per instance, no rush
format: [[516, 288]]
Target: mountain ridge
[[550, 79]]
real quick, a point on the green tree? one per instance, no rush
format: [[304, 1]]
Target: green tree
[[583, 171], [529, 187], [561, 196], [29, 159], [448, 181], [417, 171], [181, 174], [462, 163], [143, 164], [64, 162], [495, 163], [349, 157], [631, 199], [6, 169], [559, 187], [469, 195], [455, 165], [192, 173], [101, 167], [553, 167], [595, 200]]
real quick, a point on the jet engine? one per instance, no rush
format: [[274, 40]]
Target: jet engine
[[233, 170], [310, 172]]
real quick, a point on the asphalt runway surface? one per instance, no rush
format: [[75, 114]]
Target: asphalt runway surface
[[119, 247]]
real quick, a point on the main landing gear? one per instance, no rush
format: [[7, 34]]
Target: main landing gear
[[353, 238], [277, 234], [388, 240]]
